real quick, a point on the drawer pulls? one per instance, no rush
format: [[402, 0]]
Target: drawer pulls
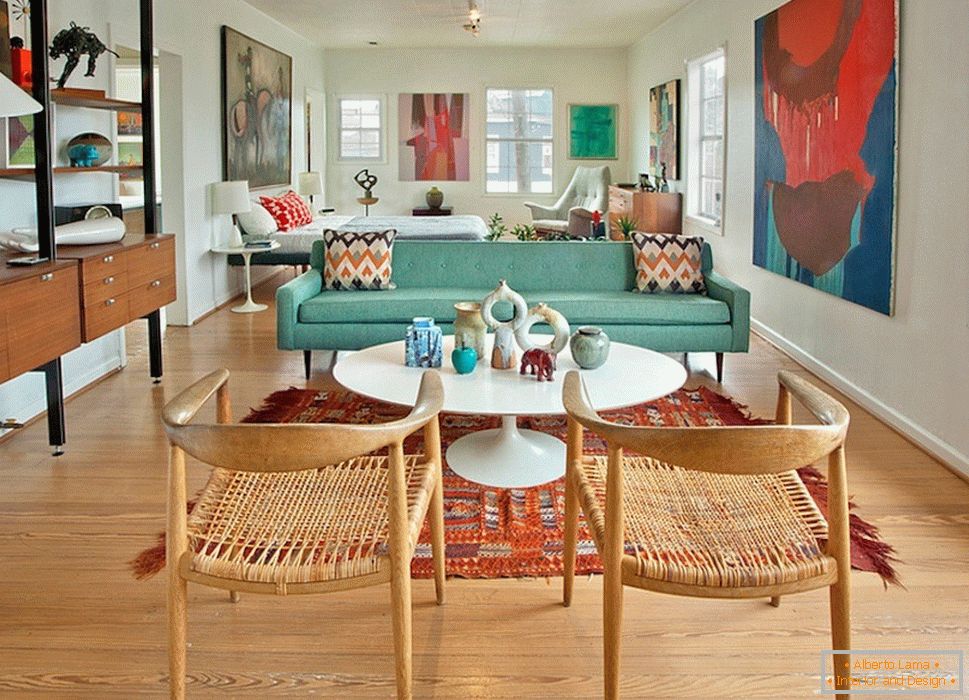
[[110, 302], [155, 246], [156, 283], [109, 280], [108, 259], [47, 277]]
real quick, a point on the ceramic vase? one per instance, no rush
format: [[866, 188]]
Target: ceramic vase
[[434, 198], [503, 354], [590, 347], [544, 314], [470, 329], [464, 359], [423, 344]]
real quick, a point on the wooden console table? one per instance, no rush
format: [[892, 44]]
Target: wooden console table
[[654, 212]]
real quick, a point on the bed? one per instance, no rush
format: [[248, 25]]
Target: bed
[[295, 246]]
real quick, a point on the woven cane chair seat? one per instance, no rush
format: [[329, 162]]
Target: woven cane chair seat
[[707, 529], [304, 526]]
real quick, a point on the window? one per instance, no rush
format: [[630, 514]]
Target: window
[[361, 128], [519, 141], [707, 138]]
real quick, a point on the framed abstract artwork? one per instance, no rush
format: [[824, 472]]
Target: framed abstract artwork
[[17, 149], [257, 96], [826, 94], [433, 133], [664, 129], [6, 66], [593, 132]]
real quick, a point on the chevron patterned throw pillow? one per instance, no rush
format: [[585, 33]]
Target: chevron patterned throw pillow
[[668, 263], [358, 259]]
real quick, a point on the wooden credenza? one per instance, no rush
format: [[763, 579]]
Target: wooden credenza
[[40, 317], [122, 282], [654, 212]]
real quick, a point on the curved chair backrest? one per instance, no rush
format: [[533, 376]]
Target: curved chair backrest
[[755, 449], [588, 189], [276, 447]]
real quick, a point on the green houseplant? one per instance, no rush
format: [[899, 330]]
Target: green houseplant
[[496, 227], [627, 225]]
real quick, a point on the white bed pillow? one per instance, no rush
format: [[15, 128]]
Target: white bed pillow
[[257, 223]]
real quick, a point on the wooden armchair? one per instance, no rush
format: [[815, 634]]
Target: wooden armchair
[[301, 508], [732, 520]]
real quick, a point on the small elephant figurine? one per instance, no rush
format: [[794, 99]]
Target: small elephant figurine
[[541, 364]]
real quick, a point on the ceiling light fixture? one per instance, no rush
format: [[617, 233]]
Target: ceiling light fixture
[[473, 25]]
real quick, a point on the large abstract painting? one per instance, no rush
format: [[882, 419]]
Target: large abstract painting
[[257, 92], [433, 136], [592, 132], [825, 151], [664, 129]]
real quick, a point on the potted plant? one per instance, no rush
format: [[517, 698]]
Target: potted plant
[[496, 227], [626, 225]]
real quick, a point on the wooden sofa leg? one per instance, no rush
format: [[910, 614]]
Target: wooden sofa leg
[[719, 368], [308, 362]]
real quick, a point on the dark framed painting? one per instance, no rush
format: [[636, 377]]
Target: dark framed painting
[[664, 129], [6, 66], [257, 98], [433, 132], [593, 132], [826, 95]]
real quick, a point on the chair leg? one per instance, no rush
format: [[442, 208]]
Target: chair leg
[[719, 368], [571, 540], [775, 601], [436, 515], [177, 620], [401, 610], [308, 362], [234, 596], [612, 628], [840, 601]]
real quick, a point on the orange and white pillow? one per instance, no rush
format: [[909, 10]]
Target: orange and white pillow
[[358, 260], [289, 210], [668, 263]]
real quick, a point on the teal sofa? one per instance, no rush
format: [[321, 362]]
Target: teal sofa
[[588, 282]]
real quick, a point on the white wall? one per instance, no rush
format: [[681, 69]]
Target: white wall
[[910, 368], [575, 75]]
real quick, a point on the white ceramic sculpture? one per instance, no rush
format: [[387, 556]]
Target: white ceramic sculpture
[[544, 314], [503, 354], [87, 232]]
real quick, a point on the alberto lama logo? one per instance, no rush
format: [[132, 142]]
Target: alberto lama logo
[[888, 671]]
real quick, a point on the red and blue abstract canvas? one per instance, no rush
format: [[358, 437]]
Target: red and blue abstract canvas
[[825, 146], [433, 137]]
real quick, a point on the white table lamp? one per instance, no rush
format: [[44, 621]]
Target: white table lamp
[[309, 184], [14, 102], [232, 198]]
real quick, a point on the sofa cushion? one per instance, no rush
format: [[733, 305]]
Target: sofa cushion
[[579, 308], [668, 263], [359, 260]]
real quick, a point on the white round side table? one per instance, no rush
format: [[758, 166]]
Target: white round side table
[[249, 306], [509, 456]]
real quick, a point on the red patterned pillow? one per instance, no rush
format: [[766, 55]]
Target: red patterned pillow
[[289, 210]]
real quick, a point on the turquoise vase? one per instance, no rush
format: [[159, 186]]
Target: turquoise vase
[[464, 360], [590, 347]]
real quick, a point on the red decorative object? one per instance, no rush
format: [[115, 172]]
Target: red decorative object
[[495, 533], [541, 364], [289, 210], [596, 218], [20, 62]]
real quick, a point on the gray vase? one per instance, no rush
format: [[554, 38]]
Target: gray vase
[[590, 347], [434, 198]]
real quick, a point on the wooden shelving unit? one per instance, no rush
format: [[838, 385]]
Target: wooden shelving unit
[[72, 99], [28, 173]]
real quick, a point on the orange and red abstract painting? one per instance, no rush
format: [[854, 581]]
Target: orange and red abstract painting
[[433, 136], [825, 151]]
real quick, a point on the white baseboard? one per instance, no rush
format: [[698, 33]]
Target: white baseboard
[[38, 405], [935, 446]]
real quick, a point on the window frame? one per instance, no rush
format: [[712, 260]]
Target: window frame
[[695, 99], [550, 141], [382, 130]]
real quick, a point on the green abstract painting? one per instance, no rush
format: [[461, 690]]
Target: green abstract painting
[[592, 132]]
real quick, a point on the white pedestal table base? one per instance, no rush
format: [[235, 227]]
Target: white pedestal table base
[[508, 457]]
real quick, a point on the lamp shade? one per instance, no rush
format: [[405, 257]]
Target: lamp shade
[[14, 102], [310, 183], [231, 197]]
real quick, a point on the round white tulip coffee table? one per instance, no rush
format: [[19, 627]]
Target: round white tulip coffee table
[[509, 457]]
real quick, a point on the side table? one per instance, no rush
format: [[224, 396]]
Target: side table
[[250, 306]]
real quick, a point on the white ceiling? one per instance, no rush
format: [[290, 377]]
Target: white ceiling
[[437, 23]]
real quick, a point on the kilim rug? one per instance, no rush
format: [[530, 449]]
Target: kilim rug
[[494, 533]]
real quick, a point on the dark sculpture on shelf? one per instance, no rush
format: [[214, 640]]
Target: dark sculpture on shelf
[[366, 181], [74, 42], [540, 363]]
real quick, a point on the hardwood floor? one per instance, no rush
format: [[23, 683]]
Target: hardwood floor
[[73, 621]]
